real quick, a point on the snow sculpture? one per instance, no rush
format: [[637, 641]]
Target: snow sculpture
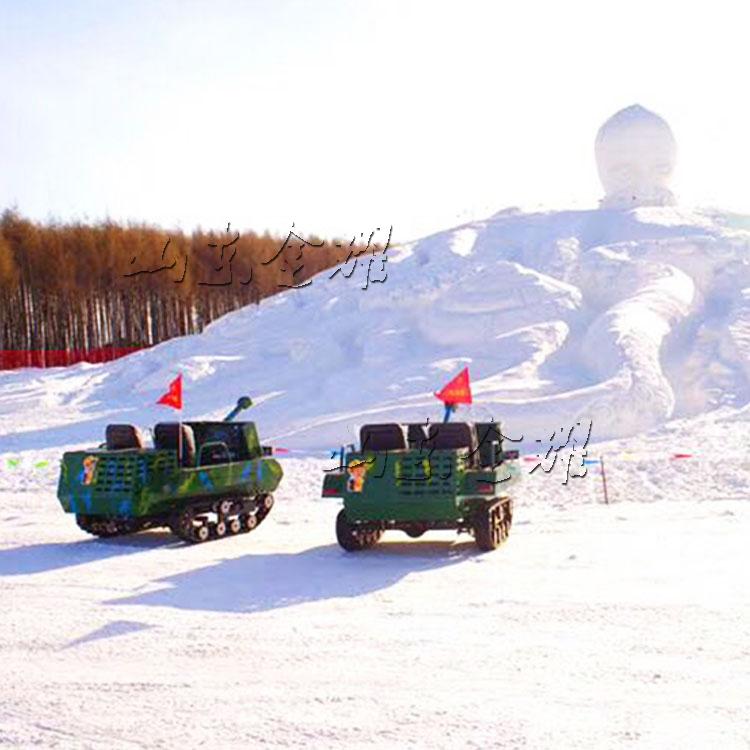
[[635, 156]]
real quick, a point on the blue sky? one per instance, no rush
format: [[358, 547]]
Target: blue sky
[[343, 116]]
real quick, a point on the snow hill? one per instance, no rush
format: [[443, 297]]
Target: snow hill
[[617, 625], [627, 317]]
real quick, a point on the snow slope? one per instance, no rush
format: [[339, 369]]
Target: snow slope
[[630, 318]]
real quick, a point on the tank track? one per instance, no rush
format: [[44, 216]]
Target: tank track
[[199, 521], [104, 527], [215, 518], [492, 525], [355, 537]]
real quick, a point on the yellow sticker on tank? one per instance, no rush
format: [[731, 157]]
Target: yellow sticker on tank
[[89, 467], [357, 473]]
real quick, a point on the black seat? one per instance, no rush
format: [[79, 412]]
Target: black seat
[[490, 443], [169, 435], [121, 437], [416, 436], [453, 436], [382, 437], [488, 431]]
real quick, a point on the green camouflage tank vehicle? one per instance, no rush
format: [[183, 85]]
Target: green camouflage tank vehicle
[[203, 480], [455, 475]]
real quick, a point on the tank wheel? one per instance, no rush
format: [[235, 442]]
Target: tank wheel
[[225, 507], [265, 503], [490, 527], [415, 531], [351, 538], [220, 529], [182, 523], [235, 526], [201, 533], [249, 521]]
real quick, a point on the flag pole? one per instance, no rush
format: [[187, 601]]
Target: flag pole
[[179, 425], [179, 437], [604, 479], [173, 399]]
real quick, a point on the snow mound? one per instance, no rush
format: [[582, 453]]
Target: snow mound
[[628, 317]]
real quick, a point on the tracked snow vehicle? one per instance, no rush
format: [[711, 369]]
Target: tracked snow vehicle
[[455, 475], [203, 480]]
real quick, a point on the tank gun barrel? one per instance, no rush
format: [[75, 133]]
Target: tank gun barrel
[[245, 402]]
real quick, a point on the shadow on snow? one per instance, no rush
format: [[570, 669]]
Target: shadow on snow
[[257, 583], [111, 630], [40, 558]]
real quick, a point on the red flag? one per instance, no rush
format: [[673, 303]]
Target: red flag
[[458, 391], [173, 397]]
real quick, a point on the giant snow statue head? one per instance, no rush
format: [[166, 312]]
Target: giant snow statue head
[[635, 156]]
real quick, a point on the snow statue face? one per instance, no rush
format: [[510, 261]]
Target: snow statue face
[[635, 156]]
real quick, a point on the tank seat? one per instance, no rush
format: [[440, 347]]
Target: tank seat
[[170, 435], [382, 437], [121, 437], [416, 436], [454, 436]]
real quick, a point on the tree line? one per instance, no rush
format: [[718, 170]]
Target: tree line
[[77, 288]]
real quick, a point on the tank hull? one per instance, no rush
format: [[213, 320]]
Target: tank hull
[[145, 484]]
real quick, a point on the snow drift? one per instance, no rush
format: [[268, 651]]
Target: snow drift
[[627, 317]]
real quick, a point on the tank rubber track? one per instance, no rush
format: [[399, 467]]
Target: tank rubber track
[[104, 527], [354, 537], [216, 518], [492, 525]]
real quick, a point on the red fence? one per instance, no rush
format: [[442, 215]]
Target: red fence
[[11, 359]]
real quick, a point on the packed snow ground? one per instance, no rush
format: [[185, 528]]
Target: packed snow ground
[[596, 626]]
